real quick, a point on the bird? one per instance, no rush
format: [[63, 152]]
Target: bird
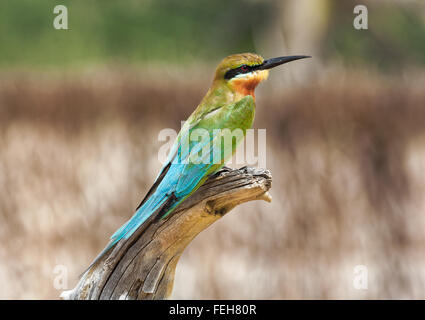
[[228, 104]]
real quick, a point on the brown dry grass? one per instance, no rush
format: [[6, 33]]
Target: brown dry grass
[[348, 161]]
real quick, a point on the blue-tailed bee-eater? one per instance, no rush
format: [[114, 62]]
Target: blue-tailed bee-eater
[[228, 104]]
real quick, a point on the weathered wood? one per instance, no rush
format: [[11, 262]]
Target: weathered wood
[[143, 267]]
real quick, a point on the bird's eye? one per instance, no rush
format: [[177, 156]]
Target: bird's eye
[[244, 68]]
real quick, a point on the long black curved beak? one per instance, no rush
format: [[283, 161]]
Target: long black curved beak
[[274, 62]]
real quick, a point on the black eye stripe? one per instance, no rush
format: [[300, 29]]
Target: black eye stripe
[[242, 69]]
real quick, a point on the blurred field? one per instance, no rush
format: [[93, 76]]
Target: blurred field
[[347, 158]]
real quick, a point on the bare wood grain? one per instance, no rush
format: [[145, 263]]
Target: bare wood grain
[[143, 267]]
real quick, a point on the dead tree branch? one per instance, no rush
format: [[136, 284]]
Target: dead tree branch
[[143, 267]]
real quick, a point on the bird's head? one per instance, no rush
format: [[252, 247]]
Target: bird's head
[[243, 72]]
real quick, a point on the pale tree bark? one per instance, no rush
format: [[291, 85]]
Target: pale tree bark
[[143, 267]]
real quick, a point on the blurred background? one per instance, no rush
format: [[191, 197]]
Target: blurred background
[[81, 109]]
